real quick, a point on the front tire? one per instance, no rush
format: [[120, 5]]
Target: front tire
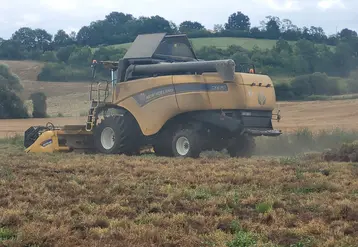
[[186, 143], [117, 135]]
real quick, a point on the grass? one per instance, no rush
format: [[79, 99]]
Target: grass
[[102, 200]]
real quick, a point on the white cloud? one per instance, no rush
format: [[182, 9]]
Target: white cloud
[[28, 20], [328, 4], [282, 5], [61, 6]]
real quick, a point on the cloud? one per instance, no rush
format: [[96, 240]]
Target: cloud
[[328, 4], [70, 15]]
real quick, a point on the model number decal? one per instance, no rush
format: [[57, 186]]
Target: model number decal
[[217, 87], [145, 97], [46, 143]]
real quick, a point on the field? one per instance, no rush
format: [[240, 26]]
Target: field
[[291, 200]]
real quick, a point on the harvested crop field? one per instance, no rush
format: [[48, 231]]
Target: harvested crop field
[[95, 200], [278, 198]]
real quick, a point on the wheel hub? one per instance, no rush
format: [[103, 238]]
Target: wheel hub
[[107, 138], [182, 146]]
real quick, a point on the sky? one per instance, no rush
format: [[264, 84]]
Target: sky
[[71, 15]]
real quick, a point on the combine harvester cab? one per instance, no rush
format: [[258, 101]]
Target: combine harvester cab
[[161, 95]]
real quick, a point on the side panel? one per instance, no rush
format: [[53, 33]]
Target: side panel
[[259, 97], [225, 95], [242, 94], [151, 101], [191, 93]]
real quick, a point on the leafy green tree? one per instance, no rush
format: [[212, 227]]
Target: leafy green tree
[[238, 21], [272, 26], [26, 38], [81, 56], [64, 53], [347, 34], [11, 106], [190, 26], [62, 39], [307, 50], [43, 39], [39, 105], [49, 56], [11, 50], [343, 59]]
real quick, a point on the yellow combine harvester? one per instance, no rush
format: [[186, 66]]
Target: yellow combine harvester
[[162, 95]]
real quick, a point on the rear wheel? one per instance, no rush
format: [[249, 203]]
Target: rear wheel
[[242, 146], [186, 143], [117, 135]]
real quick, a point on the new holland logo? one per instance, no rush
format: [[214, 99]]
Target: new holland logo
[[261, 99]]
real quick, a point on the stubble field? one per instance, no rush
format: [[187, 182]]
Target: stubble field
[[97, 200]]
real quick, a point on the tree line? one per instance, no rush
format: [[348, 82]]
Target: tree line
[[118, 27]]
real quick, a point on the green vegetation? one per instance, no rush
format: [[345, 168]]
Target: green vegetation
[[39, 105], [11, 106]]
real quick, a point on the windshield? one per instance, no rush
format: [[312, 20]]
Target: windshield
[[173, 47]]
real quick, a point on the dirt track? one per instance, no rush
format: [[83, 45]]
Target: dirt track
[[314, 115]]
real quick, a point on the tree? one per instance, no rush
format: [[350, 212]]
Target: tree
[[81, 56], [117, 19], [43, 39], [64, 53], [273, 26], [289, 31], [283, 45], [317, 34], [190, 26], [343, 59], [153, 24], [39, 105], [84, 35], [347, 34], [11, 106], [62, 39], [218, 28], [238, 21], [11, 49], [26, 38], [306, 50]]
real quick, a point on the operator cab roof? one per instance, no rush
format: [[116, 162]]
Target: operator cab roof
[[161, 46]]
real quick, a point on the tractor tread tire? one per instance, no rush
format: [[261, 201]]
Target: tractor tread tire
[[243, 146], [194, 139], [126, 131], [162, 147]]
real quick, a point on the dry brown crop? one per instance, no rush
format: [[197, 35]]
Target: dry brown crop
[[97, 200]]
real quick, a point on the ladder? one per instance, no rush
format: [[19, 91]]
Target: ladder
[[95, 103]]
